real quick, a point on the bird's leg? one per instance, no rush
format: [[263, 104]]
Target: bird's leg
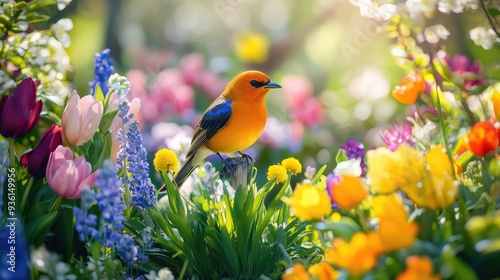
[[248, 158], [227, 168]]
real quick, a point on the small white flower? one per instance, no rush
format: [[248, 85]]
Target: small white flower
[[61, 29], [376, 11], [417, 8], [120, 84], [435, 33], [23, 25], [450, 6], [165, 274], [483, 37], [61, 4], [349, 167]]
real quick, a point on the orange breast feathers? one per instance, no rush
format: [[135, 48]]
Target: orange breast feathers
[[242, 130]]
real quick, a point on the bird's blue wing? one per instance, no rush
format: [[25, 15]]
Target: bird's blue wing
[[214, 118]]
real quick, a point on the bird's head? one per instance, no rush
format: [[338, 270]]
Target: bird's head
[[251, 86]]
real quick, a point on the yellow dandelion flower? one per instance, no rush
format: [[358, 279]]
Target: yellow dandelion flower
[[292, 165], [166, 160], [277, 171]]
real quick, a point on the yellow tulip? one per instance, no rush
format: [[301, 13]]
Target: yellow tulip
[[359, 255], [310, 203], [394, 229]]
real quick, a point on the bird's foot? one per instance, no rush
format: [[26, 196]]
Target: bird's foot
[[228, 168], [230, 165], [249, 160]]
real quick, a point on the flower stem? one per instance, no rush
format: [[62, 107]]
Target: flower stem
[[362, 219], [56, 204], [26, 194], [490, 18], [12, 152]]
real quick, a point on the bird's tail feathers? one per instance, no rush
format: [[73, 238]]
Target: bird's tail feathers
[[186, 170]]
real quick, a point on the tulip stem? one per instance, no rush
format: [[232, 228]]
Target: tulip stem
[[362, 218], [56, 204], [26, 194], [12, 152]]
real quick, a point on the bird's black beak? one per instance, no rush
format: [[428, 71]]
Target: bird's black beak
[[272, 84]]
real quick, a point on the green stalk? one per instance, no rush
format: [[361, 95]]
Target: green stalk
[[26, 194], [12, 152], [443, 130], [57, 203]]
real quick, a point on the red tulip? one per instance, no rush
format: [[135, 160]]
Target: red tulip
[[36, 159], [20, 112]]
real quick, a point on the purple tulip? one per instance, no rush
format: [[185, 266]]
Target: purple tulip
[[20, 112], [36, 159]]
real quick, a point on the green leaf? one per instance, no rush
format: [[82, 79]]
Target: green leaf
[[107, 120], [4, 20], [341, 156], [20, 5], [105, 151], [440, 66], [460, 270], [344, 229], [95, 148], [35, 17], [37, 4], [98, 95], [37, 230], [494, 11], [318, 175]]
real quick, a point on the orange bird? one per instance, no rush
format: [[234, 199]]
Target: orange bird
[[232, 123]]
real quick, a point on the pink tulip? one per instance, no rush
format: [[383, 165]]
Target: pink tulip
[[81, 119], [68, 177]]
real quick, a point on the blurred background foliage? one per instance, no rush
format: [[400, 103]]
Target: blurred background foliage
[[325, 43]]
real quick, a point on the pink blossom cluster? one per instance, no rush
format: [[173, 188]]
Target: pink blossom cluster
[[171, 92]]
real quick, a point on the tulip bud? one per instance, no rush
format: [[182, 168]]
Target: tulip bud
[[20, 112], [36, 159], [81, 119], [68, 177]]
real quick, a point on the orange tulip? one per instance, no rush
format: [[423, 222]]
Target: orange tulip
[[418, 268], [409, 89], [323, 271], [296, 272], [348, 192]]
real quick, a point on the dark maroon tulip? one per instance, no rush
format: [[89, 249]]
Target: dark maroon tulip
[[20, 112], [36, 160]]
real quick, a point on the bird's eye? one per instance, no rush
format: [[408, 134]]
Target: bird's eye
[[257, 84]]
